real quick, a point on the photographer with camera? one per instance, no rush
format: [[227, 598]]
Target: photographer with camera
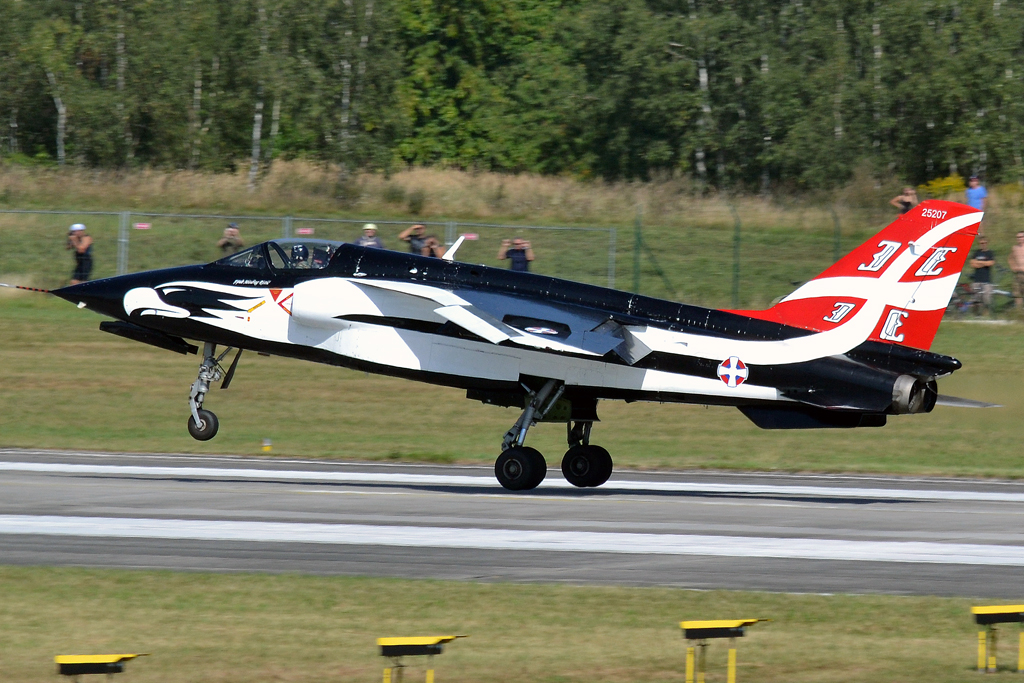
[[80, 241], [518, 251]]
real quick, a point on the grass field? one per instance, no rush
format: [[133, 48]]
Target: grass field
[[244, 627], [68, 385]]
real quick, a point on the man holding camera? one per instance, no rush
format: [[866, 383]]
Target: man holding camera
[[519, 252]]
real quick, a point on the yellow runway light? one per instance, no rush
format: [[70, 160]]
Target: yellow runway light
[[698, 633], [396, 648], [79, 665], [989, 616]]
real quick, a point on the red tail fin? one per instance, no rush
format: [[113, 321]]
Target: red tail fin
[[910, 268]]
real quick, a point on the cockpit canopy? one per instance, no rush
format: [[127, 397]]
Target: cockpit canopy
[[285, 254]]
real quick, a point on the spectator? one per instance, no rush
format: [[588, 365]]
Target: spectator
[[982, 263], [1017, 268], [433, 247], [906, 201], [80, 241], [519, 252], [977, 197], [369, 238], [416, 236], [231, 242]]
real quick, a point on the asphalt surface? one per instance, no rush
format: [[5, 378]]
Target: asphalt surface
[[822, 534]]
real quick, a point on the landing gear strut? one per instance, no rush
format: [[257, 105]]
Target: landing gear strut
[[203, 424], [520, 468]]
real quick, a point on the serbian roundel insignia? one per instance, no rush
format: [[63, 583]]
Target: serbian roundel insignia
[[732, 371]]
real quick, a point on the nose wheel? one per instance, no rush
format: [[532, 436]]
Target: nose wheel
[[206, 428]]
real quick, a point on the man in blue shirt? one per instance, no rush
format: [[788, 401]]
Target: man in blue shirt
[[518, 252], [977, 196]]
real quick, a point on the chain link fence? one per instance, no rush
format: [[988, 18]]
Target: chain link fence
[[33, 243]]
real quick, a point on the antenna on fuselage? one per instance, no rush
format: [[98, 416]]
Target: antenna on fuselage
[[449, 255]]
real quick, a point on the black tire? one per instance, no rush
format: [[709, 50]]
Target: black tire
[[520, 468], [586, 466], [209, 428]]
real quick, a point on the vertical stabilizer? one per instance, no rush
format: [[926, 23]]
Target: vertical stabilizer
[[903, 277]]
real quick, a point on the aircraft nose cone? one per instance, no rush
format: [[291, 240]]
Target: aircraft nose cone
[[103, 296]]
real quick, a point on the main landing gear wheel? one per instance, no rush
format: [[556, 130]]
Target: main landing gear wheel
[[586, 466], [520, 468], [207, 429]]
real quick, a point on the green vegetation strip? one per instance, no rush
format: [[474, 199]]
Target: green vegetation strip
[[68, 385], [248, 627]]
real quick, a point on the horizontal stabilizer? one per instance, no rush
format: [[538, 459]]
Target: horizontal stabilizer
[[957, 402]]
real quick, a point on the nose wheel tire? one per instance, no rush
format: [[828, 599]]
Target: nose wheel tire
[[207, 429], [586, 466], [520, 468]]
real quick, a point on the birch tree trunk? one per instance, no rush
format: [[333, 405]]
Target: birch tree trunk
[[275, 120], [876, 31], [62, 116], [837, 102], [346, 102], [13, 141], [212, 97], [122, 66], [702, 123], [257, 119], [364, 41], [196, 113]]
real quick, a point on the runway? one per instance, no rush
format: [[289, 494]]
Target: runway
[[800, 533]]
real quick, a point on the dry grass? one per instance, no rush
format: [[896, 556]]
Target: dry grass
[[250, 627]]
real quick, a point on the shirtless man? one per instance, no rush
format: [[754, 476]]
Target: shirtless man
[[1017, 267]]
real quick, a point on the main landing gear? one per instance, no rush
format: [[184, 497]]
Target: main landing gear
[[203, 424], [521, 468]]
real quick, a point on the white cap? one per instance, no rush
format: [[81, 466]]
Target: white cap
[[76, 227], [369, 226]]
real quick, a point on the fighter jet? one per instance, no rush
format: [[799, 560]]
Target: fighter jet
[[847, 349]]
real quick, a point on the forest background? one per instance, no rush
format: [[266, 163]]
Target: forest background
[[738, 95]]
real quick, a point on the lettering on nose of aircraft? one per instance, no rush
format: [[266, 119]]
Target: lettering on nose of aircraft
[[732, 371]]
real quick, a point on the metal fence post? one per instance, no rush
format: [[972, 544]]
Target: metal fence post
[[735, 258], [836, 246], [611, 258], [638, 241], [450, 231], [122, 243], [286, 227]]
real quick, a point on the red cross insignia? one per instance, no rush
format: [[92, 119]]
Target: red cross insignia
[[732, 371]]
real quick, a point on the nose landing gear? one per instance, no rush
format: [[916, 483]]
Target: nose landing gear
[[203, 424]]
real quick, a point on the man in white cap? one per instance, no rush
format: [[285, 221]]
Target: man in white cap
[[80, 241], [369, 238]]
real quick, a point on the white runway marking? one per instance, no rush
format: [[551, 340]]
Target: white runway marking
[[400, 478], [504, 539]]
